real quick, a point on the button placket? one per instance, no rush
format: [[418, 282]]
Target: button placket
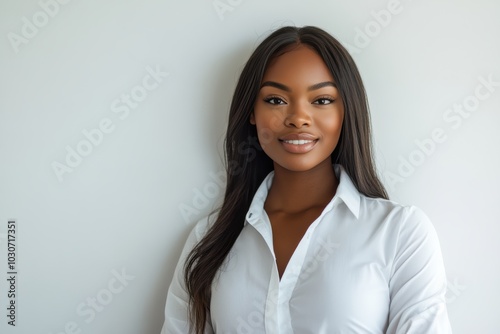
[[272, 307], [292, 272]]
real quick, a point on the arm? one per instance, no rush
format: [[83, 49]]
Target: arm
[[176, 308], [418, 280]]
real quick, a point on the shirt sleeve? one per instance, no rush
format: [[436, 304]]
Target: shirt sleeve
[[176, 307], [418, 280]]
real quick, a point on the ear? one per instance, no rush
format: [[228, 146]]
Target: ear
[[252, 118]]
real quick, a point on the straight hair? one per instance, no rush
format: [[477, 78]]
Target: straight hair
[[247, 166]]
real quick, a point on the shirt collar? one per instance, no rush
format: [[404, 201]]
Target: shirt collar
[[346, 192]]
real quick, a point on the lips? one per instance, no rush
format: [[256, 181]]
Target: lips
[[298, 136], [298, 142]]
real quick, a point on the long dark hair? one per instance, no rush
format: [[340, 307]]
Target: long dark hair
[[247, 165]]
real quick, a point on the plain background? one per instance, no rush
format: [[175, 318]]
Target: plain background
[[129, 204]]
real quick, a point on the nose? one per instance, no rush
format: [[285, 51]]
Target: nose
[[298, 116]]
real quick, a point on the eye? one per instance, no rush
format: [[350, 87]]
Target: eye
[[274, 100], [324, 101]]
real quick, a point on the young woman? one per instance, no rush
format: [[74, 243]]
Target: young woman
[[306, 240]]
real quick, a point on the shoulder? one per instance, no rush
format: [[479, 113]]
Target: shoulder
[[406, 220], [416, 227], [388, 208]]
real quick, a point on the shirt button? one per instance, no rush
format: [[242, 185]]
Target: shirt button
[[250, 215]]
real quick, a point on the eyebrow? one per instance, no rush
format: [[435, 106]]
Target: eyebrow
[[287, 89]]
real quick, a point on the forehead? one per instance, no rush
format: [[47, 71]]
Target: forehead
[[299, 66]]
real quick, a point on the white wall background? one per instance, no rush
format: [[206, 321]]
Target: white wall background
[[120, 207]]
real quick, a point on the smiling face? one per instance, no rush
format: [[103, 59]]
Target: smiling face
[[299, 111]]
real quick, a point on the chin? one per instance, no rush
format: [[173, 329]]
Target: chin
[[301, 164], [296, 166]]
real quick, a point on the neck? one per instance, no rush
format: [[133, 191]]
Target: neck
[[294, 192]]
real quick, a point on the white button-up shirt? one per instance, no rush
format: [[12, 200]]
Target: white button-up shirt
[[365, 265]]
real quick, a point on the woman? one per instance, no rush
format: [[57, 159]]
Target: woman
[[306, 240]]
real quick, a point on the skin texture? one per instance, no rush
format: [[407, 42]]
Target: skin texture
[[304, 183]]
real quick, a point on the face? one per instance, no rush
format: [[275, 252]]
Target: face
[[299, 111]]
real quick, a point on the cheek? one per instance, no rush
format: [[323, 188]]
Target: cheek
[[270, 121], [267, 127], [265, 137], [332, 125]]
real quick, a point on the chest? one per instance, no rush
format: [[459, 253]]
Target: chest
[[335, 287], [287, 231]]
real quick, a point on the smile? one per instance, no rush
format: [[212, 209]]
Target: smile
[[298, 146], [298, 142]]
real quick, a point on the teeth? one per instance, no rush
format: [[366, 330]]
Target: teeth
[[298, 142]]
